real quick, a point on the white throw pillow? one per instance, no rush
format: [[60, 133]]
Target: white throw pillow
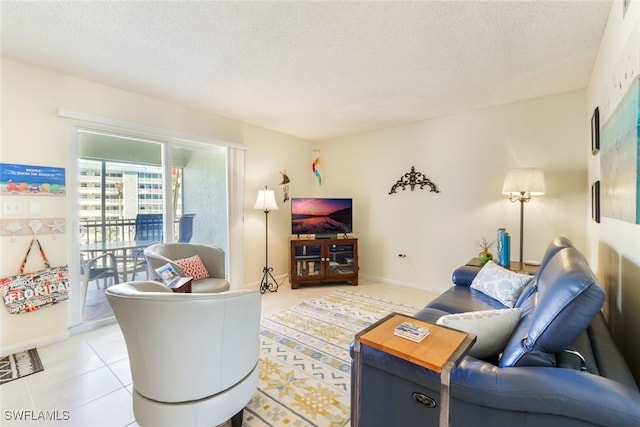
[[493, 328], [500, 284]]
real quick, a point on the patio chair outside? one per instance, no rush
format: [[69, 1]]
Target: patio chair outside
[[148, 227], [101, 267], [186, 228]]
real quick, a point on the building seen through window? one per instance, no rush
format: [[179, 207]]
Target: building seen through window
[[112, 194]]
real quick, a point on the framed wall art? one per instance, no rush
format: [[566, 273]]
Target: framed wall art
[[595, 131], [595, 201]]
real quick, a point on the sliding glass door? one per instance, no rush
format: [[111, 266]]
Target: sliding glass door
[[181, 190]]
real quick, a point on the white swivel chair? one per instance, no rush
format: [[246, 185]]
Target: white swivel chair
[[212, 257], [193, 357]]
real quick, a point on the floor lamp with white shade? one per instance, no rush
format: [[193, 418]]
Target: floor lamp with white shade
[[266, 202], [520, 185]]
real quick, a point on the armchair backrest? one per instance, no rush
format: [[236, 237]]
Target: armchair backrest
[[162, 253], [185, 347]]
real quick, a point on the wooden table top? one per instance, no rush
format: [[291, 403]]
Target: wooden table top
[[440, 346]]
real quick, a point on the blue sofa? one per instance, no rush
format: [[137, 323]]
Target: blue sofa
[[560, 366]]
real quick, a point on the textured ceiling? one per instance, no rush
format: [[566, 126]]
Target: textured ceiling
[[316, 70]]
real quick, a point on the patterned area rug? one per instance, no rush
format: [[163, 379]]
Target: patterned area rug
[[19, 365], [305, 363]]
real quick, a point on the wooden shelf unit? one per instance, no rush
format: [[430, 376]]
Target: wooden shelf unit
[[317, 261]]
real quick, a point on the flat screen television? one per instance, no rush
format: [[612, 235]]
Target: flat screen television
[[323, 217]]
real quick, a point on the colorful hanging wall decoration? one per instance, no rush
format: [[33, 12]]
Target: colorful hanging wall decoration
[[316, 171]]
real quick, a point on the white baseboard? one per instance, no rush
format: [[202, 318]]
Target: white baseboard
[[435, 289], [89, 326], [27, 345], [256, 285]]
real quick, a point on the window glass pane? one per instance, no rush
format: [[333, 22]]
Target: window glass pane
[[200, 192]]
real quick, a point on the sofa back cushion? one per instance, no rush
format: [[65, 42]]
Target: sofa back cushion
[[566, 299]]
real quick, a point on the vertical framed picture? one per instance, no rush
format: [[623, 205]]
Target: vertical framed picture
[[595, 131], [595, 201]]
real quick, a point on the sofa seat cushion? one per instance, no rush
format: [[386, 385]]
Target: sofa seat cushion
[[567, 298], [209, 285]]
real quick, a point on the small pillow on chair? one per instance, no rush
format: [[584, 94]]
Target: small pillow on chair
[[500, 284], [193, 267], [492, 328]]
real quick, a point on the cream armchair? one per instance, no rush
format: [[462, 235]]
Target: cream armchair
[[213, 259], [193, 357]]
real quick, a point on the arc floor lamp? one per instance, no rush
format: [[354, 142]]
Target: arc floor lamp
[[520, 185], [266, 202]]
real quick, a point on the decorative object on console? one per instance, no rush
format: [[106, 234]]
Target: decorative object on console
[[505, 250], [412, 179], [485, 253], [520, 185], [266, 201]]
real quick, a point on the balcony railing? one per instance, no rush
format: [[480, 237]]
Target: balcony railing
[[112, 230]]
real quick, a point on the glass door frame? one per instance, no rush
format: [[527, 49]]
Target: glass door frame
[[235, 165]]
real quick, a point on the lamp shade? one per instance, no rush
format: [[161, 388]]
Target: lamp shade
[[266, 201], [524, 180]]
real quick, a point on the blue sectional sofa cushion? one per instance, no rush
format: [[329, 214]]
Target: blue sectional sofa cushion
[[560, 367], [566, 299]]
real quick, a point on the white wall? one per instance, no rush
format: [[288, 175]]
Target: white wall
[[467, 157], [614, 245], [32, 133]]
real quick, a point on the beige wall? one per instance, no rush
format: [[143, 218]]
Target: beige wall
[[467, 157], [614, 245], [32, 133]]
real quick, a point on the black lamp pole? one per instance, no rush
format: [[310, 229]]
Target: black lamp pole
[[265, 285], [523, 199]]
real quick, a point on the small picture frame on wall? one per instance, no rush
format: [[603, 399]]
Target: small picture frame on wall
[[595, 201], [595, 131]]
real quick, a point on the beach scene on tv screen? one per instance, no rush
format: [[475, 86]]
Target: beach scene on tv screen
[[321, 216]]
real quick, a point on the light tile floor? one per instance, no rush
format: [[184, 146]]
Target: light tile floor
[[87, 382]]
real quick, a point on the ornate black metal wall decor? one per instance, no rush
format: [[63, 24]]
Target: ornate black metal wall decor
[[412, 179]]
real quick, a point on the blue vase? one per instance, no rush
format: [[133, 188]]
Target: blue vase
[[498, 258], [505, 254]]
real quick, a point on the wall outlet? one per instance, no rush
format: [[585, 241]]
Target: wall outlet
[[11, 208]]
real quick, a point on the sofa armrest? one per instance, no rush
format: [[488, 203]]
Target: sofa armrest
[[551, 394], [463, 276], [562, 392]]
